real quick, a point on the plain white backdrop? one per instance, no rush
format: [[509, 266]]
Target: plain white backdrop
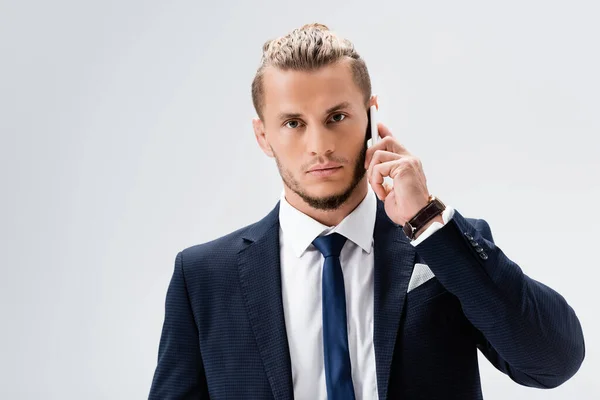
[[126, 136]]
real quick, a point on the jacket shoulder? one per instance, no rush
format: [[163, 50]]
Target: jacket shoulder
[[229, 244]]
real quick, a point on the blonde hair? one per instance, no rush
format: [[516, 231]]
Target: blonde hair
[[306, 49]]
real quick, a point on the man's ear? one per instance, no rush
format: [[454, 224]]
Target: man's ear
[[374, 101], [261, 137]]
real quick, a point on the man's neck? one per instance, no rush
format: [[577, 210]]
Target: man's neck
[[329, 217]]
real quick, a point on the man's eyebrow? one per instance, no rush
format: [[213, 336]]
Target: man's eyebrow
[[340, 106]]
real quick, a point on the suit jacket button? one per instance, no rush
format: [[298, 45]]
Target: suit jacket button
[[483, 255], [468, 236], [479, 249], [473, 243]]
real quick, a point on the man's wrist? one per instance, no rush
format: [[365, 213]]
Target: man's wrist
[[424, 218]]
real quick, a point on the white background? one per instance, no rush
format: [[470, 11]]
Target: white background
[[126, 136]]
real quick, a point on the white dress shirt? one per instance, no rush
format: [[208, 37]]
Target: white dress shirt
[[301, 274]]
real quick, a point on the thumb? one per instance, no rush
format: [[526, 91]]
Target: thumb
[[388, 187]]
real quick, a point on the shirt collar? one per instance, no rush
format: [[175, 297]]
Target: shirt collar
[[300, 230]]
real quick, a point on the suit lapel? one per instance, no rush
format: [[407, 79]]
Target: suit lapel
[[260, 278], [394, 261]]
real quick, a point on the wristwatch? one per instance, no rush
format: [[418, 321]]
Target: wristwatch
[[433, 208]]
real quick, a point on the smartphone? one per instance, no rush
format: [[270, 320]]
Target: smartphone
[[372, 134]]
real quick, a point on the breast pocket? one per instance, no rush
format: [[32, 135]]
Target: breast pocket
[[431, 290]]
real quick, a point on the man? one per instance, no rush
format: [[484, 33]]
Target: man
[[351, 288]]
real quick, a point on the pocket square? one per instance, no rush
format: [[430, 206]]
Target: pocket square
[[421, 274]]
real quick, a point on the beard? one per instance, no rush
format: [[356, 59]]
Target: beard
[[334, 201]]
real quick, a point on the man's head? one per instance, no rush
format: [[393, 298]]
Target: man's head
[[302, 77]]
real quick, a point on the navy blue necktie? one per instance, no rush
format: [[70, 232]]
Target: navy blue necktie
[[338, 371]]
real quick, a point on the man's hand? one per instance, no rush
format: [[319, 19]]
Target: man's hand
[[409, 193]]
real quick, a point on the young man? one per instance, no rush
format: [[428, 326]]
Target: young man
[[351, 288]]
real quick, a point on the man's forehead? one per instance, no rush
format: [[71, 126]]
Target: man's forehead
[[333, 74], [286, 91]]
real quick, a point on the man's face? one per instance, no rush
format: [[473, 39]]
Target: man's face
[[302, 129]]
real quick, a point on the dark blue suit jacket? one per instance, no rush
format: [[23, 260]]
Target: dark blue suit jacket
[[224, 335]]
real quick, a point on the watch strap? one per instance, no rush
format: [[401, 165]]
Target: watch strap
[[433, 208]]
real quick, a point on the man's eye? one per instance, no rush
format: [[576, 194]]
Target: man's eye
[[295, 124], [339, 115]]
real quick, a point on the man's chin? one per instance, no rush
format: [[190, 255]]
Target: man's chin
[[326, 197], [325, 190]]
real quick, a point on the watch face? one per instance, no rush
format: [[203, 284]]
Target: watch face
[[441, 205]]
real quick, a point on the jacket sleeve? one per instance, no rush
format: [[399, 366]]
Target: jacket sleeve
[[523, 327], [179, 373]]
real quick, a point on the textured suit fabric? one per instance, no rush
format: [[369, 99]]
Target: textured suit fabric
[[224, 334]]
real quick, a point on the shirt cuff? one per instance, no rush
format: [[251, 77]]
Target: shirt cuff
[[447, 215]]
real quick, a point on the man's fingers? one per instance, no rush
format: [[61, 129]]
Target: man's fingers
[[379, 190], [381, 156], [389, 144], [383, 130], [388, 187], [377, 179], [380, 171]]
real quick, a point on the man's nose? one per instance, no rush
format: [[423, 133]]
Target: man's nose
[[320, 140]]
